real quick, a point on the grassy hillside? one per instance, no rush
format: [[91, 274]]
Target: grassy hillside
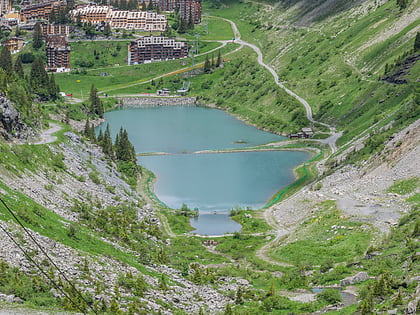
[[337, 63]]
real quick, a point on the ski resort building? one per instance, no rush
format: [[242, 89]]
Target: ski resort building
[[155, 48], [128, 20], [58, 53], [188, 9]]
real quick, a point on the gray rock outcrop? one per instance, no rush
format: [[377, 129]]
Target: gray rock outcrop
[[361, 276], [11, 125]]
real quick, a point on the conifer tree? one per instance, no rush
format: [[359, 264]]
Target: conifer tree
[[100, 137], [107, 30], [96, 106], [124, 150], [182, 26], [19, 68], [417, 42], [190, 25], [6, 61], [106, 143], [86, 128], [207, 66], [37, 37], [53, 87], [402, 4], [39, 80], [219, 59]]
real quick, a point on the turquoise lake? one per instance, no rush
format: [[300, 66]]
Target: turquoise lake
[[214, 183]]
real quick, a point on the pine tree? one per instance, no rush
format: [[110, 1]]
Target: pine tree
[[86, 128], [19, 68], [182, 26], [96, 106], [143, 6], [100, 137], [39, 80], [37, 37], [6, 61], [52, 18], [207, 66], [53, 87], [417, 42], [402, 4], [106, 143], [107, 30], [124, 150], [190, 25], [219, 59]]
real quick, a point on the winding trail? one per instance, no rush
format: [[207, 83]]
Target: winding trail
[[47, 135], [334, 136], [282, 232]]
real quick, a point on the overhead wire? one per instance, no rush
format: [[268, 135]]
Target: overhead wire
[[50, 260]]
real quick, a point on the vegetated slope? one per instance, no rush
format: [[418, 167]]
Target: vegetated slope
[[309, 11], [336, 63], [338, 67], [242, 87], [96, 232]]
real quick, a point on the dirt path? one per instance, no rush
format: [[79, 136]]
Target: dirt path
[[47, 135], [331, 141]]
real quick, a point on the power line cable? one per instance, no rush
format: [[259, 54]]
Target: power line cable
[[49, 258], [27, 255]]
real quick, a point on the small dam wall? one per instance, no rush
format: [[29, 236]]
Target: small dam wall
[[134, 102]]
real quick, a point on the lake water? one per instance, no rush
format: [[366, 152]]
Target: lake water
[[213, 183]]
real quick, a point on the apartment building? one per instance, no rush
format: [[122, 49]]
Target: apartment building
[[187, 8], [41, 11], [128, 20], [148, 49], [55, 29], [58, 53], [5, 7]]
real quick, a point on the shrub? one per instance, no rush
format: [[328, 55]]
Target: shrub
[[330, 296]]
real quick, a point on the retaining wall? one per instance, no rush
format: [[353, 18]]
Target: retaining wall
[[157, 101]]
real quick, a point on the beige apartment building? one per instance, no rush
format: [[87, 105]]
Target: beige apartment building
[[128, 20]]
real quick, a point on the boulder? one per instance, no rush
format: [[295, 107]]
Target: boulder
[[359, 277]]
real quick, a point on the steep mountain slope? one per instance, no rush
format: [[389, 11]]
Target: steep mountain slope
[[306, 11], [104, 237]]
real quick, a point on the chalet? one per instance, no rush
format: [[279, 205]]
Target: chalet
[[58, 53], [307, 132], [14, 44], [148, 49]]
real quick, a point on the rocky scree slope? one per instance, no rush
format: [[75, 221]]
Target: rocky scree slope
[[59, 191]]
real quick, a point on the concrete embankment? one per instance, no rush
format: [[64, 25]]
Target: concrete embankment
[[157, 101]]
